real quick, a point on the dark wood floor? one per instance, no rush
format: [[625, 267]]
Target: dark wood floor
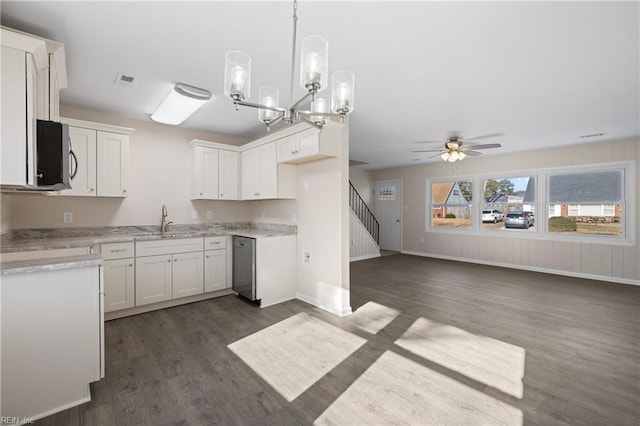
[[580, 337]]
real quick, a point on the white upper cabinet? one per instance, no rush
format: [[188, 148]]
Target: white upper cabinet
[[263, 177], [83, 144], [112, 173], [102, 154], [204, 185], [308, 145], [229, 162], [215, 172]]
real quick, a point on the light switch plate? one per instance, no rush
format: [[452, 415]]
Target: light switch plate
[[67, 217], [209, 215]]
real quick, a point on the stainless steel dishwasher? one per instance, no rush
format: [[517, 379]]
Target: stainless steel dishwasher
[[244, 267]]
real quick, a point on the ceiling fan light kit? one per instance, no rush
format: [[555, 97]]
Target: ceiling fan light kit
[[314, 69], [455, 151]]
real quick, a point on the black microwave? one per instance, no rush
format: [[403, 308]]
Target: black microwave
[[54, 156]]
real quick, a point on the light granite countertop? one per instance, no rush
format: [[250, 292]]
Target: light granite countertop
[[49, 264], [60, 238]]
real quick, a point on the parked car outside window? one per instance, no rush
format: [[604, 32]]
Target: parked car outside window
[[494, 216], [519, 219]]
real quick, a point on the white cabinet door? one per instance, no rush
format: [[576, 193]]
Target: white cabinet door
[[228, 174], [250, 174], [14, 107], [119, 289], [112, 164], [205, 174], [188, 278], [268, 171], [287, 148], [215, 270], [153, 279], [83, 143]]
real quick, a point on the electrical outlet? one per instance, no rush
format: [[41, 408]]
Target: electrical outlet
[[194, 214], [209, 215], [67, 217], [306, 257]]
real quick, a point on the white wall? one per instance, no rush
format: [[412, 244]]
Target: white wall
[[363, 246], [601, 261], [159, 173], [323, 229]]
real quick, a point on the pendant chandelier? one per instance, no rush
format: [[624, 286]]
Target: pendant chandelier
[[312, 108]]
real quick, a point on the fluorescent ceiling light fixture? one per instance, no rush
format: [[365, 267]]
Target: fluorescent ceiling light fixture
[[180, 103]]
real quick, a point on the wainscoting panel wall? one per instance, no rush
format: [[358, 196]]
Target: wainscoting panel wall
[[612, 262]]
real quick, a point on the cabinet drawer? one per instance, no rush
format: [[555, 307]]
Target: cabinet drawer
[[117, 250], [214, 243], [44, 254], [168, 246]]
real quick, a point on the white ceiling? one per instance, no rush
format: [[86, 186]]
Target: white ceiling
[[540, 73]]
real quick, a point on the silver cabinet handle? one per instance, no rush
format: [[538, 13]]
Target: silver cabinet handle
[[118, 250], [207, 256], [221, 195], [124, 190], [169, 260], [91, 190], [130, 265]]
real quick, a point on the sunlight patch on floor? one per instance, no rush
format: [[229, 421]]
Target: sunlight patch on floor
[[295, 353], [396, 390], [489, 361], [373, 317]]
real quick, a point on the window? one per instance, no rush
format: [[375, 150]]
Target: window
[[504, 199], [451, 204], [591, 203]]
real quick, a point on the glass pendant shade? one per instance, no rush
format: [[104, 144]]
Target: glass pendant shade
[[445, 156], [461, 155], [269, 96], [314, 63], [342, 92], [319, 107], [237, 75]]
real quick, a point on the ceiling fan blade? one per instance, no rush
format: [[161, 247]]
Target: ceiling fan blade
[[485, 146], [472, 153], [437, 155], [493, 135], [429, 150]]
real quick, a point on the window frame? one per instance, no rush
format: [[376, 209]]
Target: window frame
[[429, 206], [542, 204]]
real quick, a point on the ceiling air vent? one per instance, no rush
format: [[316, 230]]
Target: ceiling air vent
[[123, 80]]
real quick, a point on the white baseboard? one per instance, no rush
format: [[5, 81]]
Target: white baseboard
[[527, 268], [366, 256], [334, 310]]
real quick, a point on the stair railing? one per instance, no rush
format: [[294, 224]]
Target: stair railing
[[363, 213]]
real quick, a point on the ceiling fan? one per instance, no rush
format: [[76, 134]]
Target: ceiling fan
[[455, 150]]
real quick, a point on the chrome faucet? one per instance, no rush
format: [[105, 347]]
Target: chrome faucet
[[164, 224]]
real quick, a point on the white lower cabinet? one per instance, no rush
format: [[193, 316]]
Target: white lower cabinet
[[119, 276], [153, 279], [187, 274], [169, 269], [215, 270], [119, 287]]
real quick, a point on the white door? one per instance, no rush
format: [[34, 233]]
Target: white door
[[388, 210]]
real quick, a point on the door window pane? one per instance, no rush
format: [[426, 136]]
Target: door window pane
[[451, 204]]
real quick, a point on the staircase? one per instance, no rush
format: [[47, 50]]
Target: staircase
[[364, 228]]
